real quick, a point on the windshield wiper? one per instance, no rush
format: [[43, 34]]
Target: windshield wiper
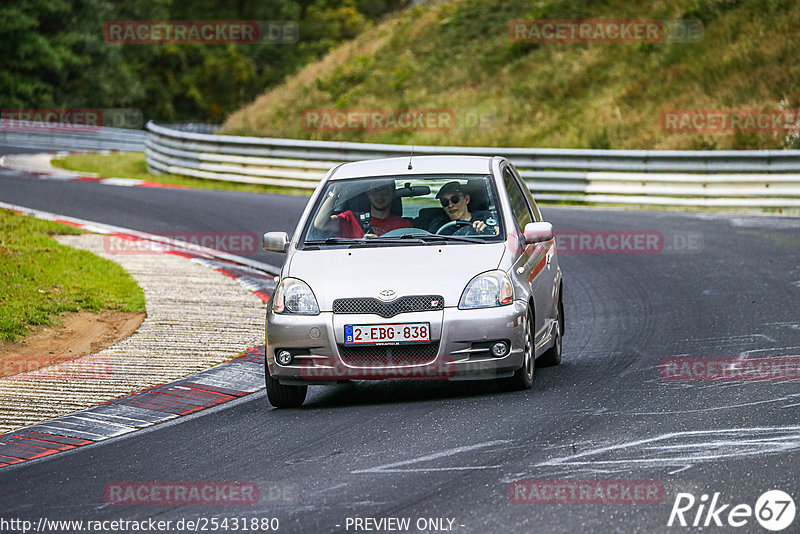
[[314, 244], [442, 237], [331, 241], [405, 239], [363, 242], [401, 240]]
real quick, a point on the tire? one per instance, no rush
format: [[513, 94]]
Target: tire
[[281, 396], [553, 354], [523, 377]]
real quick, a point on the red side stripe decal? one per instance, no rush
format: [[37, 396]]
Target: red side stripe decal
[[539, 266]]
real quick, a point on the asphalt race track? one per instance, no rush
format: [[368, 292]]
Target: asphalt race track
[[718, 286]]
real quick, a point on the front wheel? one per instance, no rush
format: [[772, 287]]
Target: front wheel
[[523, 377], [281, 396]]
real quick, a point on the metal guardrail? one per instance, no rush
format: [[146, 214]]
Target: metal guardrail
[[751, 178], [103, 138]]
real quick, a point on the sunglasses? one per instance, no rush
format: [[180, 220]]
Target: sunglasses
[[454, 200]]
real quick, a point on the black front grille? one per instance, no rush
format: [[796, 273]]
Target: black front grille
[[389, 355], [408, 304]]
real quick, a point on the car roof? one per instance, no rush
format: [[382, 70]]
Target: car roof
[[420, 165]]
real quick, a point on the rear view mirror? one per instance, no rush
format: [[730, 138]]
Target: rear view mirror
[[409, 190], [275, 241], [537, 232]]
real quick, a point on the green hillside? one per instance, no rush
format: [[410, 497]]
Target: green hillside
[[458, 56]]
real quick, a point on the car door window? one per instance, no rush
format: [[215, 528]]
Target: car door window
[[537, 215], [519, 204]]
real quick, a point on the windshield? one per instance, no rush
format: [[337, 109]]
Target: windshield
[[405, 210]]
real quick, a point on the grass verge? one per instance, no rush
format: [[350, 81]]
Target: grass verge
[[459, 56], [133, 165], [40, 278]]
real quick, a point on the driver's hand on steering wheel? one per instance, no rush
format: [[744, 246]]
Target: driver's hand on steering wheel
[[481, 226]]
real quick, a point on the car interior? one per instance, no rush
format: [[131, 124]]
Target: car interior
[[479, 200], [359, 203]]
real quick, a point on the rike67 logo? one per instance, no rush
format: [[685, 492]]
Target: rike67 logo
[[774, 510]]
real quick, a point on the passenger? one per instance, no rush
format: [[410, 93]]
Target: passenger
[[348, 224], [455, 207]]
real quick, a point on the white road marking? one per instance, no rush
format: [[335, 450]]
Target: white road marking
[[779, 351], [392, 468], [728, 341], [692, 447], [684, 468], [716, 408]]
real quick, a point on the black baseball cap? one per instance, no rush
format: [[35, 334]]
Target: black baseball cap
[[451, 187]]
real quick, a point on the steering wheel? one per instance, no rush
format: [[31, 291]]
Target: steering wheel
[[452, 224]]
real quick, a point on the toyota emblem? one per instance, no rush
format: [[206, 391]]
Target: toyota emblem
[[387, 295]]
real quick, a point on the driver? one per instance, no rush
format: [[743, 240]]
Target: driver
[[455, 207], [347, 224]]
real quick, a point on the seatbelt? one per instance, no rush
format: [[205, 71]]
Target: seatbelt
[[363, 220]]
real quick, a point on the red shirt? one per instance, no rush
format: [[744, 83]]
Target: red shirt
[[350, 227]]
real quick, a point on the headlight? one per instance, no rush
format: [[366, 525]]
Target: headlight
[[294, 296], [487, 290]]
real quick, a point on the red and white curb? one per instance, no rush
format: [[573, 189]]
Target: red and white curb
[[38, 166], [219, 384]]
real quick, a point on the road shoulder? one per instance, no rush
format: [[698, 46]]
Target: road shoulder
[[196, 318]]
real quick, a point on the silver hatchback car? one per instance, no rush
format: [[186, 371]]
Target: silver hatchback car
[[438, 268]]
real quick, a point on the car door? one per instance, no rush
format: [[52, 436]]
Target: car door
[[553, 273], [534, 268]]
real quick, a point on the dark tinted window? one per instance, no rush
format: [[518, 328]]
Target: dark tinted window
[[537, 215], [519, 204]]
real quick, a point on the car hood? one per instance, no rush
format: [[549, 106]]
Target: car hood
[[408, 270]]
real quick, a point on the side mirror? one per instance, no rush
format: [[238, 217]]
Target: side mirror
[[537, 232], [275, 241]]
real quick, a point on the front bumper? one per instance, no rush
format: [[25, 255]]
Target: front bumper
[[459, 348]]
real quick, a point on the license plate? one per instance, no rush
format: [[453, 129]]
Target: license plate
[[387, 334]]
